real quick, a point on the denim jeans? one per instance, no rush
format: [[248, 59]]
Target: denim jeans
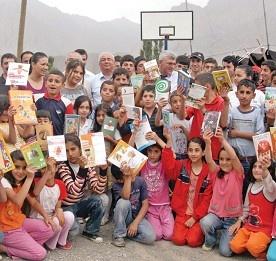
[[123, 218], [246, 168], [89, 207], [210, 224], [271, 253]]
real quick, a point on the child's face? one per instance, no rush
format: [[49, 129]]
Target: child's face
[[100, 117], [75, 76], [225, 161], [154, 154], [140, 67], [195, 152], [273, 82], [129, 66], [119, 95], [73, 152], [245, 95], [177, 104], [43, 120], [148, 99], [265, 73], [84, 110], [120, 80], [53, 84], [4, 118], [108, 93], [19, 173], [239, 75], [257, 171]]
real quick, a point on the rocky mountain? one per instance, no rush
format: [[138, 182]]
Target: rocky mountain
[[220, 28]]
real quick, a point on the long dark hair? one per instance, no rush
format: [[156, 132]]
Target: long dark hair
[[271, 170], [101, 107], [71, 66], [79, 101], [17, 155]]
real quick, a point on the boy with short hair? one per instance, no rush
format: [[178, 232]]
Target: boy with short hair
[[108, 94], [244, 122], [52, 101], [130, 194], [43, 116], [128, 63]]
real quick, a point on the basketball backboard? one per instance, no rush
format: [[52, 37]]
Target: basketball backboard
[[177, 25]]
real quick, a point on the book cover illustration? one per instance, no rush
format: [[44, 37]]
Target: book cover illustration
[[33, 155], [273, 140], [263, 145], [196, 92], [109, 126], [140, 140], [167, 119], [179, 141], [151, 67], [184, 81], [270, 98], [137, 81], [6, 163], [125, 153], [222, 80], [162, 89], [128, 95], [18, 74], [134, 112], [57, 148], [42, 132], [72, 124], [93, 148], [210, 121], [22, 100]]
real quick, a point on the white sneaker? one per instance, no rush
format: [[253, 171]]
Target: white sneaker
[[104, 221], [206, 248]]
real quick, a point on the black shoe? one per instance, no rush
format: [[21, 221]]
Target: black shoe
[[95, 238]]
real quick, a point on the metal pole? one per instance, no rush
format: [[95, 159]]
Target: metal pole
[[166, 42], [20, 42], [191, 48], [266, 30]]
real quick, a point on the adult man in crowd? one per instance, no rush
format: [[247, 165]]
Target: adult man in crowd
[[182, 62], [5, 60], [209, 64], [267, 67], [107, 65], [196, 64], [128, 63], [230, 63]]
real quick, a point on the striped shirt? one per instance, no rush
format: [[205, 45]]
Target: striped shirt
[[76, 184]]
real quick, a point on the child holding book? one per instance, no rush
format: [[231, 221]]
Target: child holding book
[[192, 192], [108, 94], [271, 253], [76, 178], [226, 202], [50, 193], [258, 210], [244, 122], [23, 237], [130, 194], [83, 107], [52, 101], [179, 126]]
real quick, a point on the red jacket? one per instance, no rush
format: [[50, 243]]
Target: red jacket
[[180, 170]]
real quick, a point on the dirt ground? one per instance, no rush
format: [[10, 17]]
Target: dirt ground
[[84, 249]]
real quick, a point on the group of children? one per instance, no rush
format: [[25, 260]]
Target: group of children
[[220, 191]]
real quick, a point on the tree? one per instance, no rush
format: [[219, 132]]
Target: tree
[[151, 49]]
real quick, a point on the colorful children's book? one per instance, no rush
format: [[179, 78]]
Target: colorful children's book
[[22, 100], [109, 126], [140, 140], [273, 139], [137, 81], [18, 74], [162, 89], [42, 132], [128, 95], [151, 67], [72, 124], [211, 121], [125, 153], [183, 81], [196, 92], [33, 155], [222, 80], [167, 119], [270, 98], [56, 147], [6, 163], [134, 112], [179, 141], [93, 147], [263, 145]]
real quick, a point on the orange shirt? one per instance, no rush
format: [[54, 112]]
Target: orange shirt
[[191, 194], [11, 216]]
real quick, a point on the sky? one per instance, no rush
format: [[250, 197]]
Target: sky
[[129, 9]]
